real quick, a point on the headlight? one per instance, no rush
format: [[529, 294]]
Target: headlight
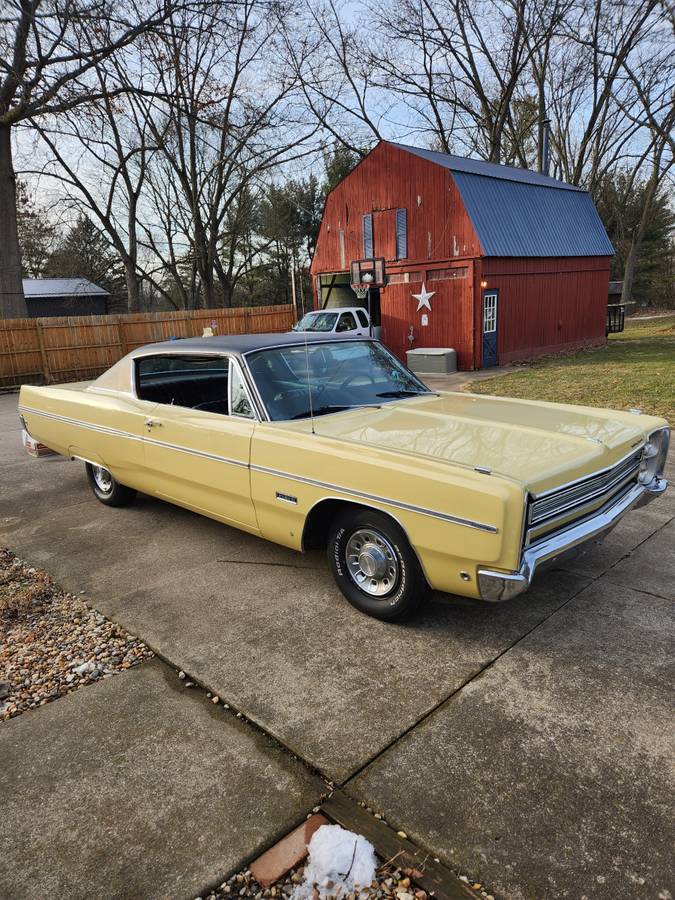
[[654, 455]]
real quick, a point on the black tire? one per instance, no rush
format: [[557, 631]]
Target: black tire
[[114, 495], [401, 584]]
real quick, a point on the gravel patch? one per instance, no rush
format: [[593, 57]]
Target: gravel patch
[[391, 883], [51, 642]]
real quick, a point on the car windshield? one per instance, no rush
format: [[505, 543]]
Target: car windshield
[[335, 375], [317, 322]]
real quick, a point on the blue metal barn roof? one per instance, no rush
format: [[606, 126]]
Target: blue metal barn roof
[[520, 213]]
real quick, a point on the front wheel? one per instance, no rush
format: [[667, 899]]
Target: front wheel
[[374, 565], [106, 489]]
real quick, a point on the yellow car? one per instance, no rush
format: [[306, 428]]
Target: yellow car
[[328, 442]]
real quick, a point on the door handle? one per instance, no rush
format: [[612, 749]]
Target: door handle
[[152, 423]]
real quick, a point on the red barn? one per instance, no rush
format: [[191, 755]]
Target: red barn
[[500, 263]]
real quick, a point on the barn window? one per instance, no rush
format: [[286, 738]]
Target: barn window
[[401, 233], [403, 277], [368, 236], [489, 313], [443, 274]]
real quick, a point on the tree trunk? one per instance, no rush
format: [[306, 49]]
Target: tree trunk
[[636, 242], [12, 302], [133, 292]]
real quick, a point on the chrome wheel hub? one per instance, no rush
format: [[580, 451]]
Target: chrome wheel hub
[[103, 479], [372, 562]]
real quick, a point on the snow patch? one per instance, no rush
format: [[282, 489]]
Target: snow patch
[[340, 862]]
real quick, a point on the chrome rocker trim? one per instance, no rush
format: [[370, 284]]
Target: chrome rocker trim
[[497, 586]]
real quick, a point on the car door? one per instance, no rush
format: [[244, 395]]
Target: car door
[[347, 324], [362, 316], [200, 457]]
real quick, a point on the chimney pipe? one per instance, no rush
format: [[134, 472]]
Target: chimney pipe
[[544, 147]]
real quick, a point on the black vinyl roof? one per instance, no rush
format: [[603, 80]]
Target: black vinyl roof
[[239, 344]]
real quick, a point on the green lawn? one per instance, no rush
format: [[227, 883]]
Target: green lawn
[[636, 369]]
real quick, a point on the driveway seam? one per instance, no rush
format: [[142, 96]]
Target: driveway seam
[[591, 580], [467, 681]]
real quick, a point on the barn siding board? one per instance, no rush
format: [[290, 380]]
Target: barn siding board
[[558, 306], [450, 320]]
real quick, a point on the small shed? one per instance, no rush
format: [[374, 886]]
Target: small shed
[[64, 297], [500, 263]]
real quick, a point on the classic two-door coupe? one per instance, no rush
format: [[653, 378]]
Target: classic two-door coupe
[[332, 442]]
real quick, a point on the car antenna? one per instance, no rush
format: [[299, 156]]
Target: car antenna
[[309, 385]]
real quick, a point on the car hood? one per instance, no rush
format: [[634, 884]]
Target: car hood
[[537, 444]]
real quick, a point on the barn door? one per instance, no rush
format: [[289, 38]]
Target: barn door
[[490, 302]]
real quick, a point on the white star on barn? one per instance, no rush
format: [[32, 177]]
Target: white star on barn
[[423, 298]]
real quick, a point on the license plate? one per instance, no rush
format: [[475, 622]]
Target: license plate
[[34, 448]]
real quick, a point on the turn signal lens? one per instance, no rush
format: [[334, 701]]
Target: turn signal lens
[[654, 455]]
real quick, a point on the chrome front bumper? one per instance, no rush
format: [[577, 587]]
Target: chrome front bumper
[[497, 586]]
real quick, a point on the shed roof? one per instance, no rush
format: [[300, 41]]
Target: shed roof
[[61, 287], [516, 212]]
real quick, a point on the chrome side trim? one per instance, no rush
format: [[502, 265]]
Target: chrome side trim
[[115, 432], [201, 453], [397, 504], [102, 429]]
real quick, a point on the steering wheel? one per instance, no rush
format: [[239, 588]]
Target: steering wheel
[[290, 394], [355, 375]]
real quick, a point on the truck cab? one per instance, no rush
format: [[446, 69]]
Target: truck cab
[[349, 320]]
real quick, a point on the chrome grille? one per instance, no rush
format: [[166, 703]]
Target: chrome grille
[[603, 486]]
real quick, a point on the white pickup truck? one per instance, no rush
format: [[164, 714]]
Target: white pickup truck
[[350, 320]]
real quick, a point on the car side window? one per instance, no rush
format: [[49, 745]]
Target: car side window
[[362, 317], [195, 382], [240, 402], [347, 322]]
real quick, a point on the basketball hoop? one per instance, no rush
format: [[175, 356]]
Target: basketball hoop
[[367, 272], [361, 290]]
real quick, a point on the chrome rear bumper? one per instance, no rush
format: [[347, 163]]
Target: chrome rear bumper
[[497, 586]]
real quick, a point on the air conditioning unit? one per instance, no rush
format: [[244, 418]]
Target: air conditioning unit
[[432, 360]]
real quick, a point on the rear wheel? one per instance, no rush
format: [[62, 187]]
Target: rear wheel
[[107, 489], [374, 565]]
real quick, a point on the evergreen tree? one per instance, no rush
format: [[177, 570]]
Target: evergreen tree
[[619, 201], [36, 233], [337, 164], [85, 252]]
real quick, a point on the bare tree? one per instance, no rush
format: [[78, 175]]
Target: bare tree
[[466, 59], [49, 52], [225, 117], [328, 50], [101, 160]]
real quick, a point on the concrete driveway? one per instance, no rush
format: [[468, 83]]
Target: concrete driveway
[[522, 743]]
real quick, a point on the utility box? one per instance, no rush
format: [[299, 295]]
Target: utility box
[[432, 360]]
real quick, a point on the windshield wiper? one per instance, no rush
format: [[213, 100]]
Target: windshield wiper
[[323, 410], [402, 393]]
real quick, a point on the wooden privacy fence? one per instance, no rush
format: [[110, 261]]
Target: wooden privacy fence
[[77, 348]]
